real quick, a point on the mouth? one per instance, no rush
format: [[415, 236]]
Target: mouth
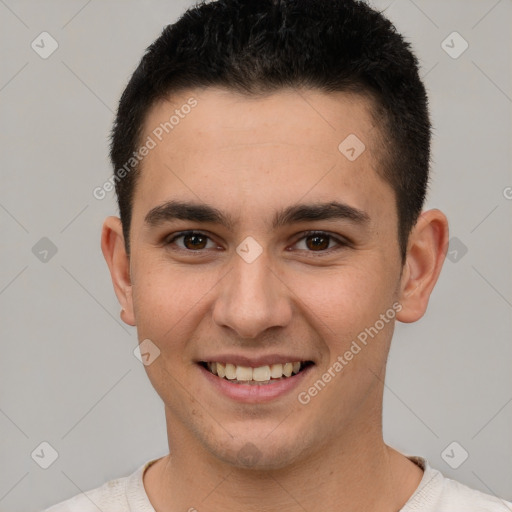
[[255, 376]]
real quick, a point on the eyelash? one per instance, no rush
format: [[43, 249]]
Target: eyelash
[[341, 242]]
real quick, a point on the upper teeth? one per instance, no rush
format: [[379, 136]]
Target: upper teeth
[[259, 374]]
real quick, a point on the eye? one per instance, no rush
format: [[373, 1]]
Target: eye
[[192, 241], [311, 241], [319, 241]]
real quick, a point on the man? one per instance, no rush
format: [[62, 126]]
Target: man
[[271, 161]]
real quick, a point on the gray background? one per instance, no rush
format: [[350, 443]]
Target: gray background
[[68, 375]]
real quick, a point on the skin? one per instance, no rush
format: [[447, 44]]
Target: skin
[[249, 157]]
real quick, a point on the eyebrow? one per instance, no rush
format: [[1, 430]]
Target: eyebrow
[[201, 212]]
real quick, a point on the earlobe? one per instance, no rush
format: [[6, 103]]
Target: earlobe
[[425, 256], [113, 248]]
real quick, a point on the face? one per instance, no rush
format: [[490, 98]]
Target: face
[[256, 241]]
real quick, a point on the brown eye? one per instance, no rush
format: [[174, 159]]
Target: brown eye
[[317, 242], [194, 241], [320, 242], [191, 241]]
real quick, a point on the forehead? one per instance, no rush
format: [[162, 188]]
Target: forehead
[[231, 150], [307, 119]]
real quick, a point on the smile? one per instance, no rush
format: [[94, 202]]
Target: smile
[[260, 375]]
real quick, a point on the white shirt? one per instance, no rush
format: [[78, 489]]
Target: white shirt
[[435, 493]]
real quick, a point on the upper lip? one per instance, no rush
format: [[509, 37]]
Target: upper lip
[[253, 362]]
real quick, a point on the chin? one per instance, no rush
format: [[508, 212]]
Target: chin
[[257, 452]]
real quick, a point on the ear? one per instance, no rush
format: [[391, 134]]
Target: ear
[[113, 247], [426, 250]]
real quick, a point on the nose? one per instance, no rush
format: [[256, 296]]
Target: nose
[[252, 299]]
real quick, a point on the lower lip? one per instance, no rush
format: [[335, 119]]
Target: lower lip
[[255, 393]]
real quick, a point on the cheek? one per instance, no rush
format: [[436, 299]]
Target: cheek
[[344, 308], [344, 301], [166, 299]]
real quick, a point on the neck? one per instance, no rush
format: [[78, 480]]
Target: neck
[[356, 472]]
